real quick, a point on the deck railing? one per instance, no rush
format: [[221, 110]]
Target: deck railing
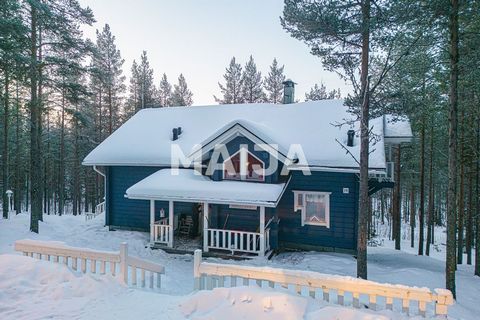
[[336, 289], [237, 241], [95, 261], [161, 233], [99, 209]]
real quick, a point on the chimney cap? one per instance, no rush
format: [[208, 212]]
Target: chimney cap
[[289, 82]]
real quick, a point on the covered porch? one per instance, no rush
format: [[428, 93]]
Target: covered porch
[[247, 232]]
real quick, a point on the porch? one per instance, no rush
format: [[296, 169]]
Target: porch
[[166, 232], [216, 201]]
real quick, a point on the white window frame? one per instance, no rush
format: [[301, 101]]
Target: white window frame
[[243, 167], [300, 204]]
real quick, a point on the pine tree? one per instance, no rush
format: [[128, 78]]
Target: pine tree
[[252, 84], [320, 93], [13, 45], [165, 92], [450, 263], [342, 33], [142, 89], [182, 96], [273, 83], [56, 39], [232, 90], [133, 103], [108, 63]]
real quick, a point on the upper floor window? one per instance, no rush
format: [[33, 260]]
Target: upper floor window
[[314, 206], [243, 165]]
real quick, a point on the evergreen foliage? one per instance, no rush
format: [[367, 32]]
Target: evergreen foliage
[[165, 92], [232, 90], [273, 83], [252, 83], [181, 96], [320, 93]]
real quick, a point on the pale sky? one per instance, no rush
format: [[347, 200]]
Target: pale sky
[[199, 37]]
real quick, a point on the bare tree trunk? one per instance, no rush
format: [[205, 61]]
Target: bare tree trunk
[[110, 111], [382, 206], [397, 221], [35, 155], [61, 173], [421, 216], [469, 231], [450, 263], [5, 162], [477, 201], [412, 217], [364, 146], [461, 195], [430, 197], [18, 179]]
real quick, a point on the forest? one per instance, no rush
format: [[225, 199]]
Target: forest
[[62, 94]]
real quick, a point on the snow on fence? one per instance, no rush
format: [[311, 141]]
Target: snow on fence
[[347, 290], [101, 262]]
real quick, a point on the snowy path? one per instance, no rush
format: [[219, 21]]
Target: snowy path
[[78, 296]]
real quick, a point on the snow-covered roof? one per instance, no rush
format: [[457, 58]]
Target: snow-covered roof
[[146, 138], [188, 185], [397, 129]]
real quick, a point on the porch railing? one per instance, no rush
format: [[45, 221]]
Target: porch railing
[[161, 232], [237, 241], [99, 209]]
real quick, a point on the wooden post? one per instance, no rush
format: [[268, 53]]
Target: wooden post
[[205, 226], [444, 299], [123, 261], [170, 223], [152, 221], [262, 231], [197, 260]]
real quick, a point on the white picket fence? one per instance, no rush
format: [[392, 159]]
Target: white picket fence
[[102, 262], [336, 289]]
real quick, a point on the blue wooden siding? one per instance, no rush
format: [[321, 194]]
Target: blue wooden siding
[[134, 214], [343, 212]]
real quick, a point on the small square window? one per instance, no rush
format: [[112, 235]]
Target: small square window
[[314, 206]]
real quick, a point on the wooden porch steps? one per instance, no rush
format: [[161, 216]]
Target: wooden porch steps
[[211, 254]]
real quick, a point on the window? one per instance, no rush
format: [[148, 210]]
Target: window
[[314, 207], [243, 166]]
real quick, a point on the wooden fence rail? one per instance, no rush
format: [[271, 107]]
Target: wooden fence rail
[[95, 261], [347, 290]]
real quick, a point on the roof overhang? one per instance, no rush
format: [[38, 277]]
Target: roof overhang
[[185, 185], [398, 140]]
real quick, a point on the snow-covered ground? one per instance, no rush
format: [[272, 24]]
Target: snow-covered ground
[[32, 289]]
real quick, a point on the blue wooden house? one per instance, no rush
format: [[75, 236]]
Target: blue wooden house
[[245, 178]]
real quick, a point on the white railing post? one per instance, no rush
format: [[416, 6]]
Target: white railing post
[[197, 260], [123, 261], [152, 221], [170, 223], [262, 232], [444, 299], [205, 226]]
